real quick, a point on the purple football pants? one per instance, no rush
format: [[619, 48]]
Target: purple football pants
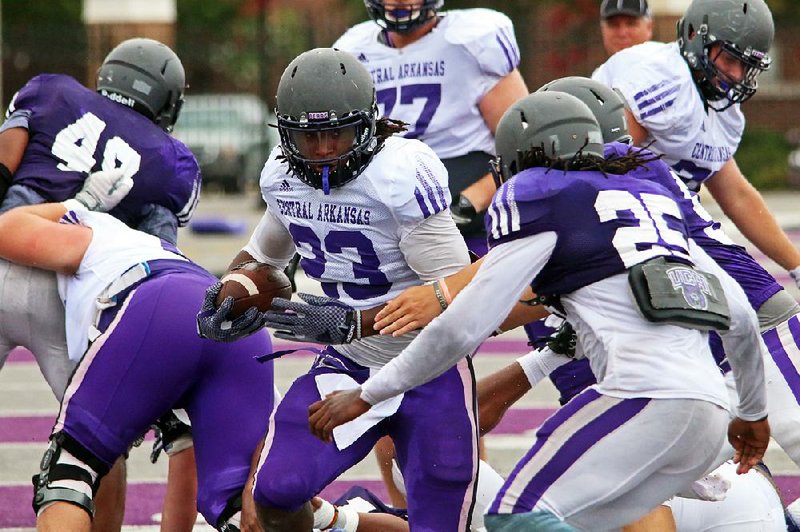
[[149, 360], [434, 433]]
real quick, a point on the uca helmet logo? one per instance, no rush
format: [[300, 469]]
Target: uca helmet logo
[[693, 286]]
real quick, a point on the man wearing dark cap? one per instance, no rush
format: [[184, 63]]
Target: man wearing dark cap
[[624, 23]]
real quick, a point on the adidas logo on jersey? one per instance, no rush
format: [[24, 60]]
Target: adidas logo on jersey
[[362, 57], [285, 186]]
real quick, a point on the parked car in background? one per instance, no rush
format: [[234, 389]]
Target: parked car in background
[[229, 136]]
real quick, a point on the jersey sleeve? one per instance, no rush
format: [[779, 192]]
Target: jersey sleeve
[[418, 186], [489, 37], [657, 92], [185, 191], [522, 207], [349, 41], [23, 104]]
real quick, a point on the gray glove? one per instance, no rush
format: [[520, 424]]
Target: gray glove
[[320, 320], [213, 322], [101, 191]]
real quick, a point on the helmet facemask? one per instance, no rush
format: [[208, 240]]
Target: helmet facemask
[[402, 18], [716, 85], [325, 151]]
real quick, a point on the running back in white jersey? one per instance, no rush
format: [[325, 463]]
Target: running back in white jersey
[[114, 249], [658, 88], [429, 82]]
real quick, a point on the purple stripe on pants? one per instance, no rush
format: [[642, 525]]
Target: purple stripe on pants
[[577, 446], [781, 357], [553, 422]]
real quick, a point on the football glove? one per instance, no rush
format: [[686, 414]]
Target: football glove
[[101, 191], [213, 322], [320, 320], [564, 340]]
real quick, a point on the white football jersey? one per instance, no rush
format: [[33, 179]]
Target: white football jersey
[[660, 93], [114, 249], [349, 240], [436, 83]]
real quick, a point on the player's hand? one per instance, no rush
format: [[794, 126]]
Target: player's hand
[[319, 319], [796, 276], [749, 439], [103, 190], [213, 322], [413, 309], [336, 409]]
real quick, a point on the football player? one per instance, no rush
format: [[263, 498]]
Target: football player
[[450, 76], [56, 133], [131, 301], [633, 430], [368, 212], [683, 101]]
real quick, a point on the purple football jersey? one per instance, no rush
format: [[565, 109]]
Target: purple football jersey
[[757, 282], [74, 131], [604, 225]]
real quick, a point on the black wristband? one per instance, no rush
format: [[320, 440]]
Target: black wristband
[[6, 178]]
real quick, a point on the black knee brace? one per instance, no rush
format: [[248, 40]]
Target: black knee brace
[[53, 470]]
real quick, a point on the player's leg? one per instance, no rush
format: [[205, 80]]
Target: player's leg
[[591, 438], [109, 502], [229, 409], [179, 511], [783, 380], [32, 316], [384, 454], [294, 465], [435, 435], [174, 437]]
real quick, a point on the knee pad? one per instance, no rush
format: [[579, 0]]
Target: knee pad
[[231, 517], [777, 309], [68, 473]]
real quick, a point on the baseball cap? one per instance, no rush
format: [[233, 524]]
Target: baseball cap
[[633, 8]]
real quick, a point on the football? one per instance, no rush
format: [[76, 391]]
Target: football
[[254, 284]]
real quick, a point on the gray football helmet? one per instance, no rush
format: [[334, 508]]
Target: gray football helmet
[[146, 75], [402, 18], [745, 30], [554, 124], [606, 103], [326, 117]]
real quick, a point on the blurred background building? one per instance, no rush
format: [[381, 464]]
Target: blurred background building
[[242, 46]]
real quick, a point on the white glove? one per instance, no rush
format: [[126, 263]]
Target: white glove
[[796, 276], [101, 191]]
